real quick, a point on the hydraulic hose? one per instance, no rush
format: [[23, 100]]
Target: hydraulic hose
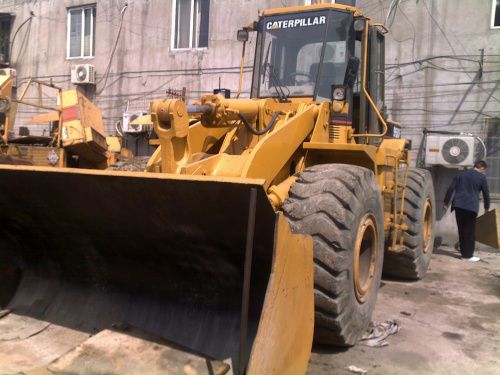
[[263, 131]]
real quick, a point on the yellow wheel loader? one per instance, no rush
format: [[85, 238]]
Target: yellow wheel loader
[[252, 231]]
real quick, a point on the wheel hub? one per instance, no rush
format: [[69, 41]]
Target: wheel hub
[[365, 257], [427, 225]]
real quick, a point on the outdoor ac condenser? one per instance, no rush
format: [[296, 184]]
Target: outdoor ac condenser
[[83, 74], [454, 151], [128, 117]]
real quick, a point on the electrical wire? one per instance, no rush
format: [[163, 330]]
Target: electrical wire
[[420, 61], [392, 11], [413, 38], [436, 85], [446, 38], [117, 100], [17, 31], [105, 76]]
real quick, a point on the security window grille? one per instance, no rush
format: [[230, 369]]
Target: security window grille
[[81, 31], [495, 14], [492, 141], [190, 26]]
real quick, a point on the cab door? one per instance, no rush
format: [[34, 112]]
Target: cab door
[[376, 77]]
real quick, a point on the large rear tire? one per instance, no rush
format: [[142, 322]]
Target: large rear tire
[[340, 206], [418, 241]]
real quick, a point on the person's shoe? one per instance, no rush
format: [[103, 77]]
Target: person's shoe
[[472, 259]]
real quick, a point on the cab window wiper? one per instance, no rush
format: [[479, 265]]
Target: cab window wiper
[[276, 84], [273, 78]]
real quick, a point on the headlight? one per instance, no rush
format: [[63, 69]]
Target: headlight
[[339, 93]]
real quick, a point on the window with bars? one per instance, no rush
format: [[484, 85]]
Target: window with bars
[[81, 31], [190, 24], [492, 142]]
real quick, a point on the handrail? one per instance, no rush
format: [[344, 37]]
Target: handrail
[[398, 218]]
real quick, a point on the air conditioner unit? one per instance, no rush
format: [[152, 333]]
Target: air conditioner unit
[[83, 74], [128, 117], [454, 151]]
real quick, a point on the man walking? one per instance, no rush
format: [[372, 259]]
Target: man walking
[[465, 190]]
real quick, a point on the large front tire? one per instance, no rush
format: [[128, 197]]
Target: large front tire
[[412, 262], [340, 206]]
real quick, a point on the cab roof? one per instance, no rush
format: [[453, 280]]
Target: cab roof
[[305, 8]]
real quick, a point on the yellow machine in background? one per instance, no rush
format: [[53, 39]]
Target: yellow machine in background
[[265, 224], [79, 141], [7, 107]]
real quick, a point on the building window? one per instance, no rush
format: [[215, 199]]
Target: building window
[[190, 23], [5, 26], [495, 14], [81, 31], [492, 141]]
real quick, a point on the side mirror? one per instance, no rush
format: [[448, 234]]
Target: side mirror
[[242, 35], [351, 71]]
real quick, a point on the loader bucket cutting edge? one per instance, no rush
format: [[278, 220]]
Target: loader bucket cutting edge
[[164, 253]]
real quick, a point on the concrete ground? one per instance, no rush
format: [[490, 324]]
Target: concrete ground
[[450, 322]]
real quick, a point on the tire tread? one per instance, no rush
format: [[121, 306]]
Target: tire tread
[[323, 203]]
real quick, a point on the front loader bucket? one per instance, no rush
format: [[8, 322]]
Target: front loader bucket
[[90, 250]]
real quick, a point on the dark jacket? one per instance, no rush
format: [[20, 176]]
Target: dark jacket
[[465, 190]]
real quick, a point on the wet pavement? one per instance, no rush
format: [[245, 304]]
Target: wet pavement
[[449, 322]]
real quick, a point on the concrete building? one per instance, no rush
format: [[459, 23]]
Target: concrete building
[[442, 57], [139, 50], [443, 72]]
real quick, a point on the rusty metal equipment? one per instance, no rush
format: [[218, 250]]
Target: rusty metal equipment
[[76, 138], [263, 224]]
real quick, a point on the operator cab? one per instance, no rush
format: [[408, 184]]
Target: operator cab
[[303, 54], [324, 52]]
